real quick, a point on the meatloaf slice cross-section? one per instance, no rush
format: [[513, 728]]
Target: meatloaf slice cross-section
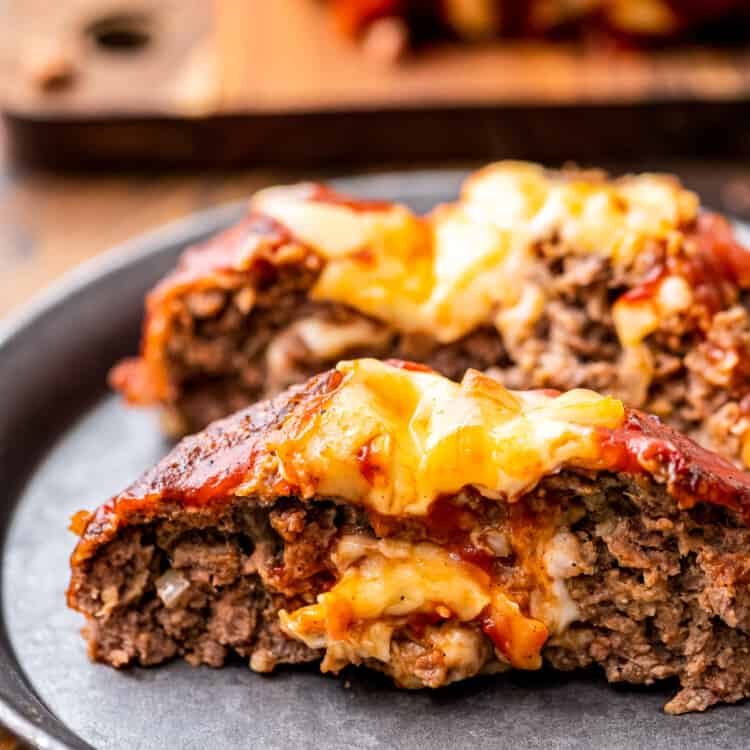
[[383, 515], [546, 280]]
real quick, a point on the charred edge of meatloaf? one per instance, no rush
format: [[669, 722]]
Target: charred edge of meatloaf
[[662, 593]]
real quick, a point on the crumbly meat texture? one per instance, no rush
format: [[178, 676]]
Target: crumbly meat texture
[[661, 588], [243, 337], [662, 593]]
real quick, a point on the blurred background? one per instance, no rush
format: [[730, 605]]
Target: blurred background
[[120, 115]]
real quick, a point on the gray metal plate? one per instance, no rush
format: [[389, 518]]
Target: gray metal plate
[[65, 444]]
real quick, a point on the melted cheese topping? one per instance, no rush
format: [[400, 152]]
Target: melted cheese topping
[[391, 579], [611, 218], [396, 439], [472, 262]]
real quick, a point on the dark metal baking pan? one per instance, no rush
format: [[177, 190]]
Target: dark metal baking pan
[[66, 444]]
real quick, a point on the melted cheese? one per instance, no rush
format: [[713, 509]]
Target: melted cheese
[[611, 218], [395, 579], [394, 439], [472, 263], [383, 583], [635, 320]]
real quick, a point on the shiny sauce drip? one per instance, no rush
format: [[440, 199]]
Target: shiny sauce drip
[[222, 253], [403, 364]]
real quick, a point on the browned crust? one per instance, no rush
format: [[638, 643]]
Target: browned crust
[[202, 470]]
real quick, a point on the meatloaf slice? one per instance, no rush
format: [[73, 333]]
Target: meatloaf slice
[[546, 280], [383, 515]]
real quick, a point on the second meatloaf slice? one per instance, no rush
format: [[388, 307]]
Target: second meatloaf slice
[[543, 279]]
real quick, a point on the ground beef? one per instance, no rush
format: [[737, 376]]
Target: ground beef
[[662, 592], [237, 578], [667, 596]]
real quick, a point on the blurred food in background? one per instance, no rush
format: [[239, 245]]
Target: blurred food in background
[[390, 26], [228, 82]]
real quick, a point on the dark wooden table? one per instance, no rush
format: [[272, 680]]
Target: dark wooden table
[[49, 223]]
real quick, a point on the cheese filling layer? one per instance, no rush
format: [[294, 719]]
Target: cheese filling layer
[[384, 585]]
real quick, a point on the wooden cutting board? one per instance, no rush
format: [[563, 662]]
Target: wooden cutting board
[[227, 81]]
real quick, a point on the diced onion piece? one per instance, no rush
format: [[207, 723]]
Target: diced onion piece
[[498, 542], [674, 295], [171, 586]]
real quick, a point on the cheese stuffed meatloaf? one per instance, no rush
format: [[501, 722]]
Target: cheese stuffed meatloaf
[[381, 514], [544, 279]]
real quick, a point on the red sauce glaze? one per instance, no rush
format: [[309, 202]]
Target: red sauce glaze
[[715, 237], [369, 465], [648, 287], [714, 264], [497, 630], [222, 252], [472, 555], [218, 474], [207, 468], [644, 445], [227, 260], [324, 194], [403, 364]]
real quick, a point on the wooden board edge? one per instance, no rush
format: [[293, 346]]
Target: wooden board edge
[[548, 133]]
